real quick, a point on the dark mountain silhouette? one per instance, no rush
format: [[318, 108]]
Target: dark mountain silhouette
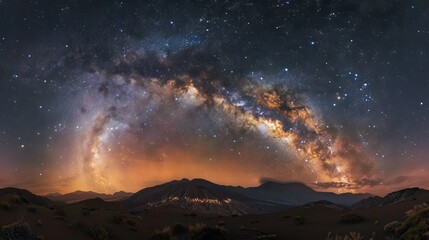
[[78, 196], [325, 204], [368, 202], [201, 196], [408, 194], [25, 196], [94, 204], [294, 194]]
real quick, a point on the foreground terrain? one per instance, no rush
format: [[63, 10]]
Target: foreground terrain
[[399, 215]]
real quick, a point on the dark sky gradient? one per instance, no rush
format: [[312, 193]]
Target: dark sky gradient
[[119, 95]]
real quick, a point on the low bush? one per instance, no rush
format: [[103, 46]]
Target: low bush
[[16, 199], [24, 199], [163, 234], [131, 222], [98, 233], [18, 230], [351, 218], [62, 218], [416, 209], [60, 212], [198, 231], [299, 220], [117, 219], [415, 226], [267, 237], [392, 227], [201, 231], [31, 209], [197, 227], [85, 211], [179, 229], [190, 215], [350, 236], [209, 233], [5, 205]]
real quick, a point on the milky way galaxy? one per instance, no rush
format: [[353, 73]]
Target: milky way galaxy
[[119, 96]]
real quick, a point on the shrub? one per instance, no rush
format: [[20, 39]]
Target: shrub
[[85, 211], [179, 229], [40, 237], [117, 219], [416, 232], [164, 234], [16, 199], [18, 230], [392, 227], [98, 233], [209, 233], [190, 215], [299, 220], [160, 236], [201, 231], [197, 227], [350, 236], [416, 209], [267, 237], [5, 205], [62, 218], [131, 222], [24, 199], [60, 212], [31, 209], [351, 218], [415, 226]]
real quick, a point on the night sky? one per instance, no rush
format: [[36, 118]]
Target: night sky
[[120, 95]]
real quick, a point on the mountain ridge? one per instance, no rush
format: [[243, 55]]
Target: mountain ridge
[[406, 194], [80, 195], [207, 197]]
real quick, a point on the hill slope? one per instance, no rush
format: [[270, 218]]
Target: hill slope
[[295, 194], [408, 194], [25, 196], [78, 196]]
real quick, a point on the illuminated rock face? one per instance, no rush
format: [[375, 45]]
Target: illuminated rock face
[[189, 200]]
